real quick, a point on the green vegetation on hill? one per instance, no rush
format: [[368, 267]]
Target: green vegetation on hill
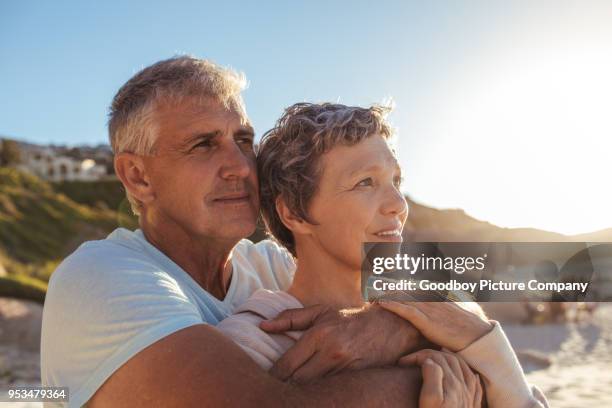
[[105, 193], [39, 225], [23, 287]]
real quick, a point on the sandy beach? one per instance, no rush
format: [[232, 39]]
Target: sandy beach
[[571, 362], [20, 323], [580, 357]]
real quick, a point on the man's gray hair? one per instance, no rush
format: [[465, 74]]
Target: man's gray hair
[[131, 126]]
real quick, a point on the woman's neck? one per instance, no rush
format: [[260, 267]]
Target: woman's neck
[[324, 280]]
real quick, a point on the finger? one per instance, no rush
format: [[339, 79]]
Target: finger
[[450, 382], [432, 388], [469, 376], [453, 363], [295, 357], [421, 356], [347, 365], [316, 367], [293, 319], [406, 311], [478, 393], [416, 358]]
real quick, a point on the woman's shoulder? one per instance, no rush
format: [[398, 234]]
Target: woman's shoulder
[[243, 326], [268, 303]]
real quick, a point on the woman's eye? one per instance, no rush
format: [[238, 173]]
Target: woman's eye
[[365, 182], [398, 181]]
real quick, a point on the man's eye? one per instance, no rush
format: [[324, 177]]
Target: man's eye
[[204, 143], [365, 182], [246, 144], [246, 141]]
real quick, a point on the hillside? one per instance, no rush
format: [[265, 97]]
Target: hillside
[[427, 224], [39, 226]]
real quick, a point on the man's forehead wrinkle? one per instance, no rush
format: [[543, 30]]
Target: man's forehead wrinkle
[[210, 119], [205, 106], [180, 125]]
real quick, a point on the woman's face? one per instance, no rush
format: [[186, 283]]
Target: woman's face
[[358, 200]]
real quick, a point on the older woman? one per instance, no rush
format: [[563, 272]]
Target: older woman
[[330, 182]]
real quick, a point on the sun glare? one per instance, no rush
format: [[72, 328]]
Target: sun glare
[[522, 137]]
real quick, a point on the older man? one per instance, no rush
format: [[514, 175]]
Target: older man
[[129, 320]]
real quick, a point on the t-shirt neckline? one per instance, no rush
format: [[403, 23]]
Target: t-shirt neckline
[[231, 290]]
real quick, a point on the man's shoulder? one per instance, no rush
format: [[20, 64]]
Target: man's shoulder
[[108, 258], [105, 303]]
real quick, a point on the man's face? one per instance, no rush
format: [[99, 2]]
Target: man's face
[[203, 171], [358, 200]]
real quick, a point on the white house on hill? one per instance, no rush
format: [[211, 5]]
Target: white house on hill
[[45, 163]]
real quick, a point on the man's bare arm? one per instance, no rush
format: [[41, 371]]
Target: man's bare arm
[[198, 366]]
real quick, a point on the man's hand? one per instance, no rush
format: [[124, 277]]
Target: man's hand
[[340, 340], [447, 380], [450, 325]]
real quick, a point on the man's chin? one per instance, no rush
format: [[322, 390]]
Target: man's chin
[[245, 229], [238, 228]]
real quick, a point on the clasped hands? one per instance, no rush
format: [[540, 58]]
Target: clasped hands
[[384, 334]]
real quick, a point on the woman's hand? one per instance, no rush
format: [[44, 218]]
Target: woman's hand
[[447, 380], [450, 325]]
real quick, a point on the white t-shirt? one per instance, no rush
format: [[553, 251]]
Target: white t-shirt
[[112, 298]]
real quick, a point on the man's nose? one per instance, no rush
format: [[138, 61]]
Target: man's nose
[[394, 203], [235, 163]]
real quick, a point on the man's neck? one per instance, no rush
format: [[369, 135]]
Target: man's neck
[[206, 260], [322, 279]]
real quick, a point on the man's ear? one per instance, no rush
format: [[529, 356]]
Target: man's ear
[[131, 171], [294, 223]]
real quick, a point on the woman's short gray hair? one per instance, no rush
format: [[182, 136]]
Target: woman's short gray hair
[[131, 126], [289, 156]]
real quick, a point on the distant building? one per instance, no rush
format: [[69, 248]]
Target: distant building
[[46, 163]]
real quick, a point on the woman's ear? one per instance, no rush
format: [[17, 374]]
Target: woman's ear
[[131, 171], [294, 223]]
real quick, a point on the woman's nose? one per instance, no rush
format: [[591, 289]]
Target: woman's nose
[[394, 203]]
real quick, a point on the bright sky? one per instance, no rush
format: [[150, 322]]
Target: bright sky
[[503, 108]]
